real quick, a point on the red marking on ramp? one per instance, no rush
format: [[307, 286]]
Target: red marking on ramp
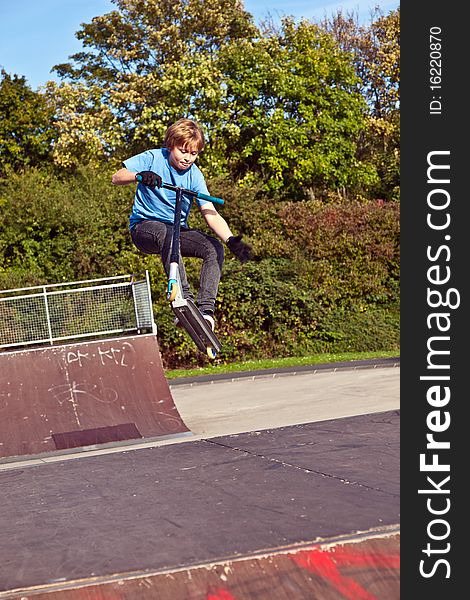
[[327, 566], [220, 595], [379, 561], [363, 570]]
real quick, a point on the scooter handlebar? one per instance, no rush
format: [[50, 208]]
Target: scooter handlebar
[[212, 199], [199, 195]]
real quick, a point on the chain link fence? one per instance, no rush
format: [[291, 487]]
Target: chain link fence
[[79, 309]]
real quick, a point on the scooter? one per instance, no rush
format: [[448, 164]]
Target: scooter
[[187, 313]]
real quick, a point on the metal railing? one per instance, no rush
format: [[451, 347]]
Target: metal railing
[[63, 311]]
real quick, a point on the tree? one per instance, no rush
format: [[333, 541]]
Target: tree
[[376, 54], [26, 131], [149, 63], [294, 114], [277, 106], [305, 109], [87, 128]]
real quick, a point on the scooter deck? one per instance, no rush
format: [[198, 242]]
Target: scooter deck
[[197, 327]]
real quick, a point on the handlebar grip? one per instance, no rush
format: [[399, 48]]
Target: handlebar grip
[[212, 199]]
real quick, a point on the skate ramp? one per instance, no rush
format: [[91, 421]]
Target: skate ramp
[[298, 512], [366, 568], [71, 396]]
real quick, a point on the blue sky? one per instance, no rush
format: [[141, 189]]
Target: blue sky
[[37, 34]]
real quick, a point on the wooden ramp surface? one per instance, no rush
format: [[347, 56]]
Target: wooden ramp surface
[[75, 395], [364, 569]]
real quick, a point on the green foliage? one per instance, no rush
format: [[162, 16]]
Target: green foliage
[[376, 55], [150, 63], [57, 230], [286, 107], [324, 278], [296, 114], [267, 309], [353, 248], [142, 37], [26, 131], [361, 329], [302, 125]]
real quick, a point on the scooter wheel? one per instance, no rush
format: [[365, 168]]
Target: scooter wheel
[[211, 353], [173, 293]]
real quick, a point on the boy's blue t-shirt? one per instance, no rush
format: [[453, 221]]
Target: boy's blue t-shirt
[[158, 204]]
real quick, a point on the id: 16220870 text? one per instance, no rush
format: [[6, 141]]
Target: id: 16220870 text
[[435, 70]]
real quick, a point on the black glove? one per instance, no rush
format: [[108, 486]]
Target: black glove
[[150, 179], [241, 250]]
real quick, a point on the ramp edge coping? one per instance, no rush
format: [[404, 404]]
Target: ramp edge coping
[[386, 531]]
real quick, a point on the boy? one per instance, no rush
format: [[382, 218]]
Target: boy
[[153, 211]]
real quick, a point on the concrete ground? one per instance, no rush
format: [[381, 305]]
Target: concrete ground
[[238, 405]]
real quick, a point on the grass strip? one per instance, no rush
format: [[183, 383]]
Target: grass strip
[[275, 363]]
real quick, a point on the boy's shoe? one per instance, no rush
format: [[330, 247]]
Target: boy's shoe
[[210, 320]]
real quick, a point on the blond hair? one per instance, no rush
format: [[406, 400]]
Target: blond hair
[[185, 133]]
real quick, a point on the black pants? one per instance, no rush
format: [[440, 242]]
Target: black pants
[[154, 237]]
